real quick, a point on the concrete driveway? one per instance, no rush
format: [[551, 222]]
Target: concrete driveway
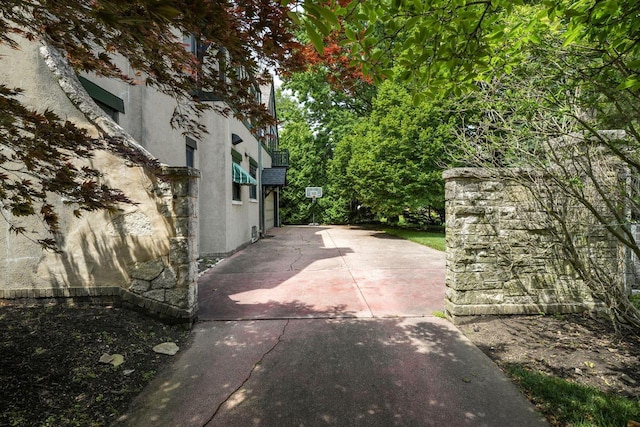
[[320, 272], [329, 326]]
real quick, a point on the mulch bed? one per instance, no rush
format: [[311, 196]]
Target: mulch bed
[[50, 374]]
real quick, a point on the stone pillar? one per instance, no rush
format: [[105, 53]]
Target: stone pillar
[[183, 252], [168, 286], [632, 264], [501, 258]]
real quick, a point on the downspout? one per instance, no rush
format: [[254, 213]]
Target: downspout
[[260, 190], [276, 192]]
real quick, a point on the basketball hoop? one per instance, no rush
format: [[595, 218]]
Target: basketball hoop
[[313, 193]]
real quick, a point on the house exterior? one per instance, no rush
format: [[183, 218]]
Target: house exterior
[[242, 171], [209, 197]]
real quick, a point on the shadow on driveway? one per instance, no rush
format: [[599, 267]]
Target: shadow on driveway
[[324, 272], [327, 326]]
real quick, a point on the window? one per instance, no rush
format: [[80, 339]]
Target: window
[[237, 192], [190, 43], [111, 112], [253, 169], [191, 147], [237, 188], [108, 102]]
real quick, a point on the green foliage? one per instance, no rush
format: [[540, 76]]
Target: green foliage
[[433, 42], [378, 161], [393, 160], [567, 403], [450, 45], [314, 117], [427, 238], [306, 159], [565, 89]]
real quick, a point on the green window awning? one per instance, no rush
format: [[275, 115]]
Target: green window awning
[[102, 95], [241, 176]]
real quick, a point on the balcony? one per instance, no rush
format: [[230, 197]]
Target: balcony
[[280, 158]]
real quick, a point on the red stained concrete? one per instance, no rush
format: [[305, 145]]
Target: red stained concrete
[[320, 272]]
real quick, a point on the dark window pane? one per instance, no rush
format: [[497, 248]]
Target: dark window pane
[[191, 154]]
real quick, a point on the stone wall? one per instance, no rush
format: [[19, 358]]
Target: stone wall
[[632, 265], [140, 257], [168, 284], [502, 257], [144, 255]]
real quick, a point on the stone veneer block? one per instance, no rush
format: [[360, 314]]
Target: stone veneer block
[[500, 255]]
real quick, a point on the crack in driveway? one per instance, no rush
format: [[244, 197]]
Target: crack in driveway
[[296, 260], [255, 366]]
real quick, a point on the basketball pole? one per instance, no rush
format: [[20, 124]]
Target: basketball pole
[[313, 193], [313, 210]]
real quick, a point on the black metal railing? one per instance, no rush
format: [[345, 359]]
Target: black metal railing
[[280, 158]]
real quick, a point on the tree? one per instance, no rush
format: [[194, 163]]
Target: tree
[[306, 159], [552, 114], [392, 162], [318, 113], [40, 151], [588, 81], [452, 44], [310, 142]]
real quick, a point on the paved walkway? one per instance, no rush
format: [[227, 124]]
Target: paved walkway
[[329, 326]]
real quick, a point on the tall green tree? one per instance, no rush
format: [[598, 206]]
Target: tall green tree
[[316, 115], [305, 159], [393, 160]]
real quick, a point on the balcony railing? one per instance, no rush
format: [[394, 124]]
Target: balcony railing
[[280, 158]]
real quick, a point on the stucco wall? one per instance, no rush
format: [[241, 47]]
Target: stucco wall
[[225, 224], [147, 118], [501, 257], [216, 194], [145, 254]]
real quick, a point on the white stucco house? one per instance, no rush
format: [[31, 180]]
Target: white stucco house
[[207, 197], [241, 170]]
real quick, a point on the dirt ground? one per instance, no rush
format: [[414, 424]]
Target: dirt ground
[[50, 369], [572, 347]]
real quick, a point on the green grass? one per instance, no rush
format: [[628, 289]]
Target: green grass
[[569, 404], [427, 238]]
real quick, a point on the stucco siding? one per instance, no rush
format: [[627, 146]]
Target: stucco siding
[[269, 211], [102, 254], [215, 193], [223, 225]]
